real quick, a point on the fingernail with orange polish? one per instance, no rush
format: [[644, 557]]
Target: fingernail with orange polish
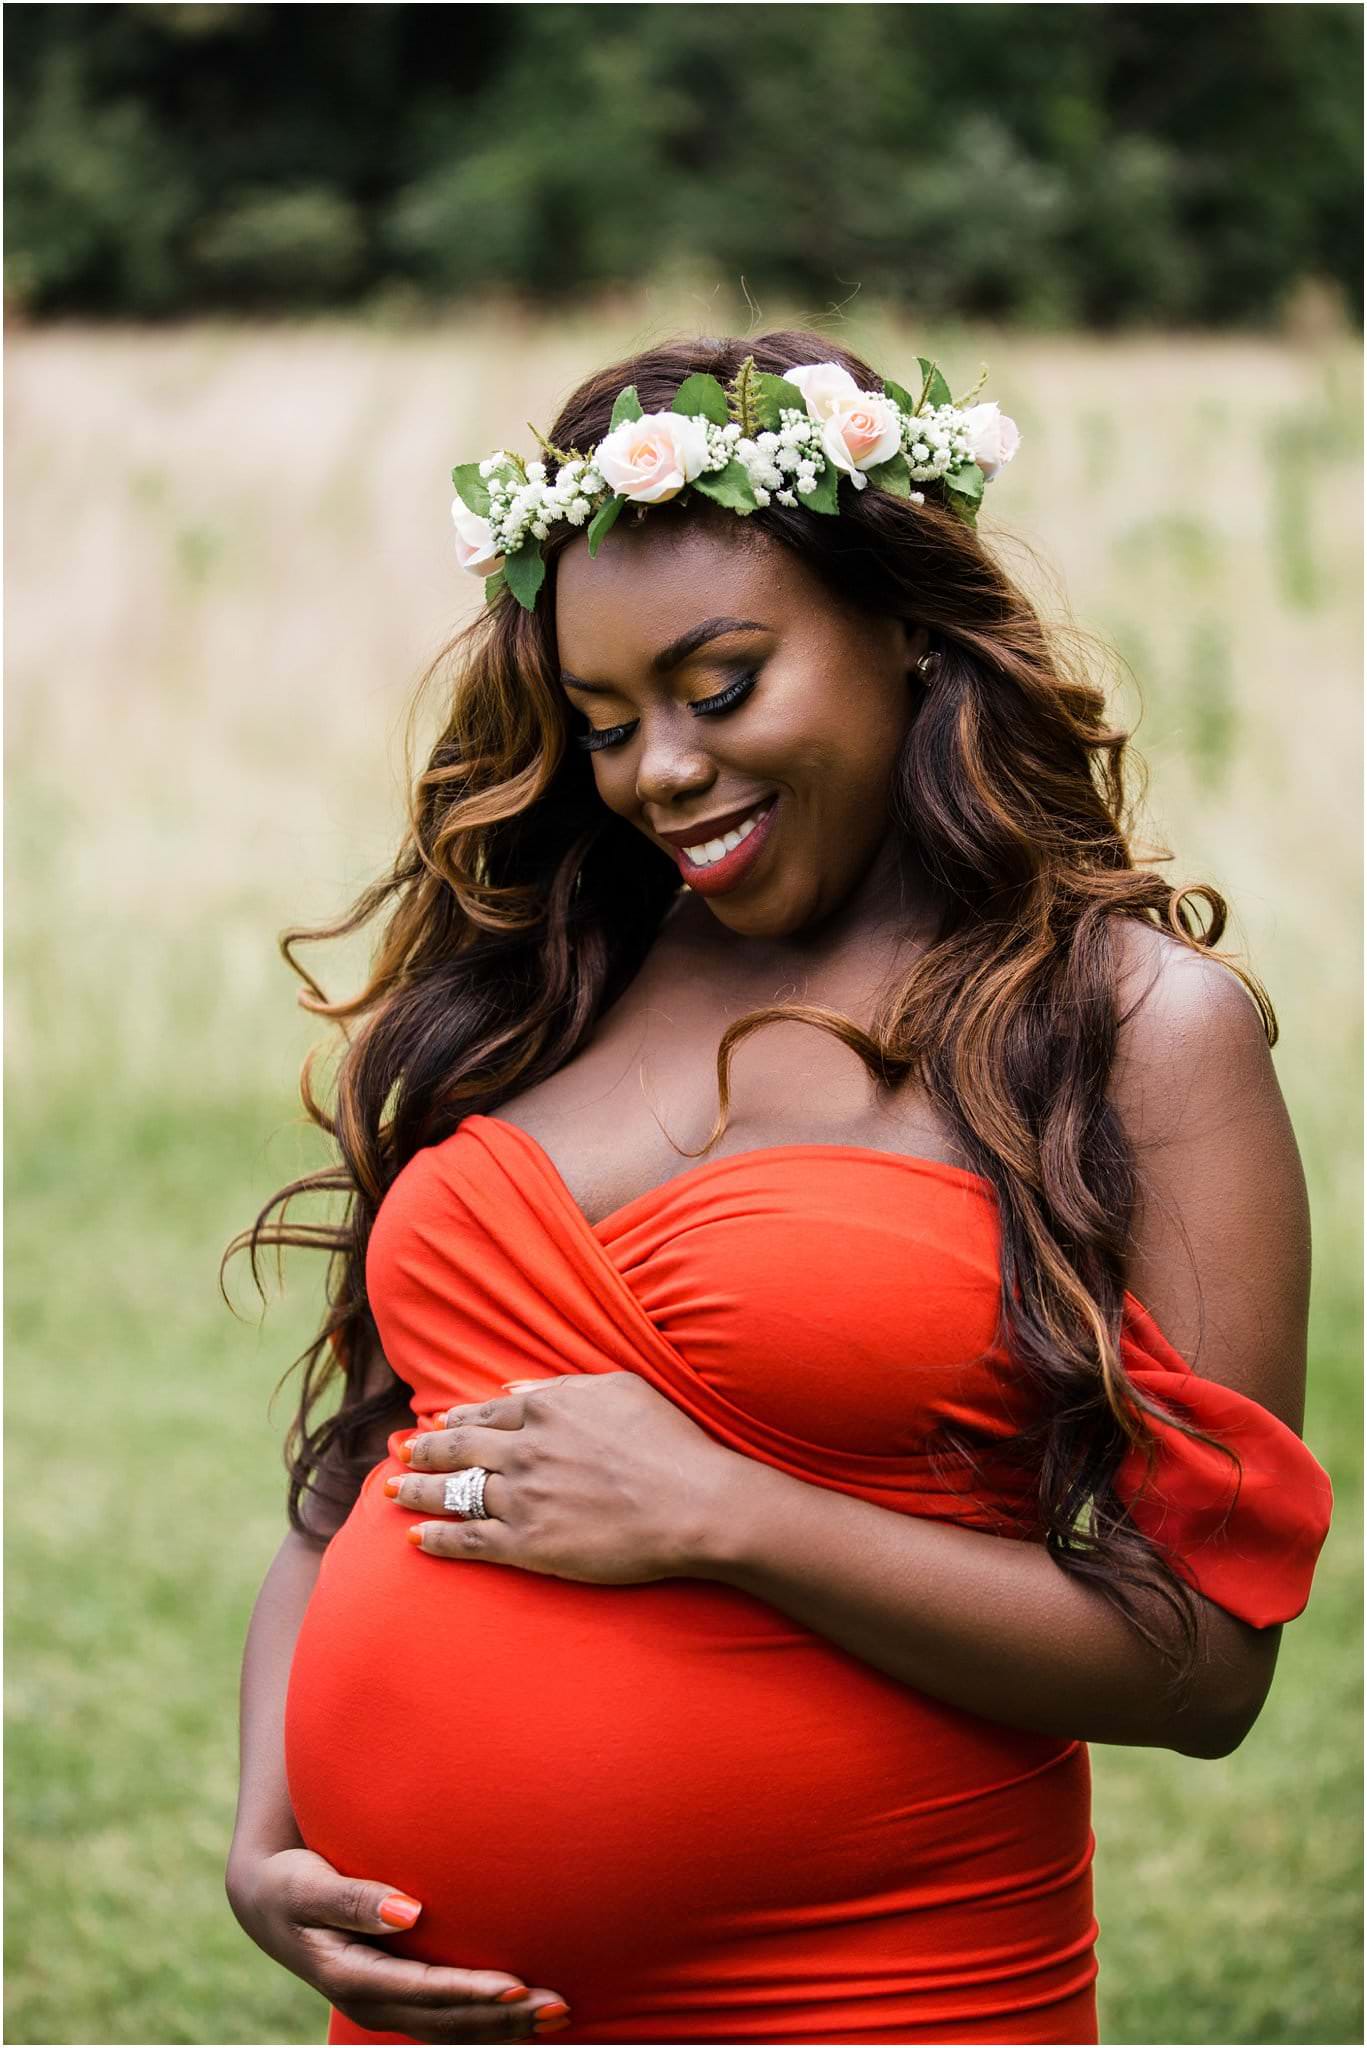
[[415, 1534], [406, 1451], [398, 1910], [514, 1991], [392, 1485], [550, 2018]]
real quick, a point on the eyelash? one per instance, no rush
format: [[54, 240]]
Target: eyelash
[[705, 707]]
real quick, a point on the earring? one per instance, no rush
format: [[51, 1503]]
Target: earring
[[929, 663]]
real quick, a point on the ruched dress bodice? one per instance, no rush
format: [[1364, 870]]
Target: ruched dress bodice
[[695, 1818]]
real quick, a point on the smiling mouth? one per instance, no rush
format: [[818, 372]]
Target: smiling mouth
[[719, 863], [707, 852]]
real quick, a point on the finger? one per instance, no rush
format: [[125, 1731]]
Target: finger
[[353, 1970], [317, 1895], [449, 1418], [427, 1494], [468, 1443], [479, 1537], [483, 2024]]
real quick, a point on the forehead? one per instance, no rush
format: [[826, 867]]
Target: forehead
[[641, 590]]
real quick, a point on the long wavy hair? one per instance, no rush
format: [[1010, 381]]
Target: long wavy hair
[[519, 908]]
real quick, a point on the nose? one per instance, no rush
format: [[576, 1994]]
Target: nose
[[672, 763]]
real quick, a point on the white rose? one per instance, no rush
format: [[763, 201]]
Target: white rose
[[474, 540], [652, 458], [824, 386], [863, 432], [993, 436]]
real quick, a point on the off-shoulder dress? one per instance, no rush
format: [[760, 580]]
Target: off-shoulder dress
[[693, 1817]]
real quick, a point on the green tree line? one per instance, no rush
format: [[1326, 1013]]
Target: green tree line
[[1094, 164]]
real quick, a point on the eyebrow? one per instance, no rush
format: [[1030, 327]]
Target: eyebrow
[[677, 650]]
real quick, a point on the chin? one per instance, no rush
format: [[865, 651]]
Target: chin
[[761, 920]]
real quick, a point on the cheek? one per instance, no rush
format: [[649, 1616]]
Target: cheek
[[849, 769]]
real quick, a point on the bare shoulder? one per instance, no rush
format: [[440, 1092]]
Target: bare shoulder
[[1191, 1037], [1169, 994], [1220, 1246]]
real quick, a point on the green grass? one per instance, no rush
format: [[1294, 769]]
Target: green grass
[[212, 634]]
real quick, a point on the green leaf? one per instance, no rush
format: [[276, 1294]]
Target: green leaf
[[628, 406], [893, 475], [934, 390], [701, 393], [471, 488], [603, 520], [825, 498], [525, 572], [730, 487], [493, 584], [900, 398], [772, 393], [967, 480], [967, 508]]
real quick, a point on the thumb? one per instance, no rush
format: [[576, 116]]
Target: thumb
[[365, 1905]]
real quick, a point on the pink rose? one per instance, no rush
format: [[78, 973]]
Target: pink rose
[[824, 386], [862, 432], [993, 436], [474, 540], [652, 458]]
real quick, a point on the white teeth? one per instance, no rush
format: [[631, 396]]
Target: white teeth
[[716, 849]]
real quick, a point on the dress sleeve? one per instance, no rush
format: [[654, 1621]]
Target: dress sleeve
[[1259, 1565]]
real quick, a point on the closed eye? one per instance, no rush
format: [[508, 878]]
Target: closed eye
[[703, 707]]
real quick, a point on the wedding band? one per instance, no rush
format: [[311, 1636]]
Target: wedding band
[[463, 1493]]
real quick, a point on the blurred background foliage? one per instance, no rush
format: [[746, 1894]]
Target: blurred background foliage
[[1059, 165]]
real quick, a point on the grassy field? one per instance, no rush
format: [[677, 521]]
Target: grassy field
[[229, 557]]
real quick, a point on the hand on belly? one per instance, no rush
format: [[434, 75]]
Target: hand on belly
[[322, 1926], [592, 1476]]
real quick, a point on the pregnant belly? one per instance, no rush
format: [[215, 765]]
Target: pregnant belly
[[690, 1816]]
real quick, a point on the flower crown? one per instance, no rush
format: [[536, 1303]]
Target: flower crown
[[788, 439]]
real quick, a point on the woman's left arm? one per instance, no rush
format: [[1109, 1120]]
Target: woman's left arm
[[1220, 1258]]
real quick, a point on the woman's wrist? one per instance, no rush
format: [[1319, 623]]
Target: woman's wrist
[[723, 1544], [252, 1843]]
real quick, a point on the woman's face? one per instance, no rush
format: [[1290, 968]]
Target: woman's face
[[794, 715]]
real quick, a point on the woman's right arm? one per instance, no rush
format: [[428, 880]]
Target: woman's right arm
[[293, 1903]]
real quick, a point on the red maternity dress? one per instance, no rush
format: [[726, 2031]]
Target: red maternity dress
[[694, 1818]]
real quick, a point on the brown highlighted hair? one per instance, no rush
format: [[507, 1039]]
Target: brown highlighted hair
[[519, 908]]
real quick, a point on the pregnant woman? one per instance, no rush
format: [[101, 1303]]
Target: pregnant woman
[[821, 1302]]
